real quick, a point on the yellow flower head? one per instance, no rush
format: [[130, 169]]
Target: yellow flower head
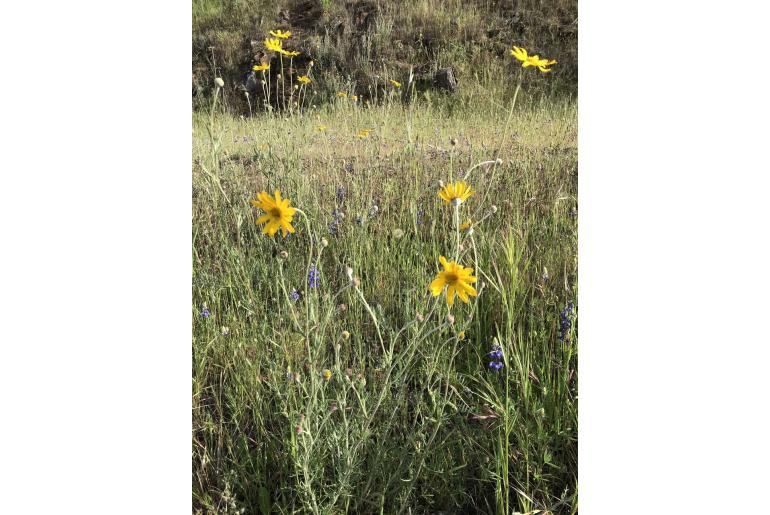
[[321, 128], [461, 335], [304, 79], [466, 225], [261, 67], [289, 52], [280, 34], [354, 97], [342, 94], [363, 133], [327, 374], [531, 60], [457, 279], [278, 214], [458, 190], [274, 45], [395, 83]]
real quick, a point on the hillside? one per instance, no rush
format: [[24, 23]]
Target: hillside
[[358, 45]]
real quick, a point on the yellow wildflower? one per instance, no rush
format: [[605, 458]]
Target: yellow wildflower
[[261, 67], [531, 60], [458, 190], [457, 279], [461, 335], [342, 94], [304, 79], [364, 133], [274, 45], [466, 225], [278, 214], [289, 53], [321, 128], [353, 97], [327, 374], [280, 34], [395, 83]]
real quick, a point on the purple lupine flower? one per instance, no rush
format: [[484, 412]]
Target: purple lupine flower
[[294, 295], [497, 356], [495, 365], [420, 213], [565, 320], [205, 313], [313, 277], [496, 353], [340, 194]]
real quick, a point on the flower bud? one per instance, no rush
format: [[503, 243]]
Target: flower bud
[[345, 335], [493, 209], [450, 319], [324, 242], [440, 183], [419, 317], [283, 255], [349, 273], [219, 82]]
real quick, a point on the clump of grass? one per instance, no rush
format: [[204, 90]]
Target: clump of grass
[[326, 377]]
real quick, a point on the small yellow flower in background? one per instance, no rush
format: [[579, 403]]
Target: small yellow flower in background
[[321, 128], [261, 67], [461, 335], [395, 83], [363, 133], [458, 190], [280, 34], [274, 45], [278, 214], [466, 225], [531, 60], [342, 94], [304, 79], [354, 97], [289, 53], [457, 279], [327, 374]]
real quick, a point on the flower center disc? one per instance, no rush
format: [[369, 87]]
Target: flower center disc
[[276, 212], [451, 278]]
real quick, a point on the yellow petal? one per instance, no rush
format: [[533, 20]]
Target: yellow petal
[[450, 295], [437, 285]]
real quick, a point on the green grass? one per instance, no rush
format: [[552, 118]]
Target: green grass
[[412, 421]]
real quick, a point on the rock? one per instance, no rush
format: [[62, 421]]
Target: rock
[[445, 79]]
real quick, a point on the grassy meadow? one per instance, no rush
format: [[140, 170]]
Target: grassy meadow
[[326, 376]]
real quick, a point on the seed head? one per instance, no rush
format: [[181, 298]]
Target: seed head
[[356, 282]]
